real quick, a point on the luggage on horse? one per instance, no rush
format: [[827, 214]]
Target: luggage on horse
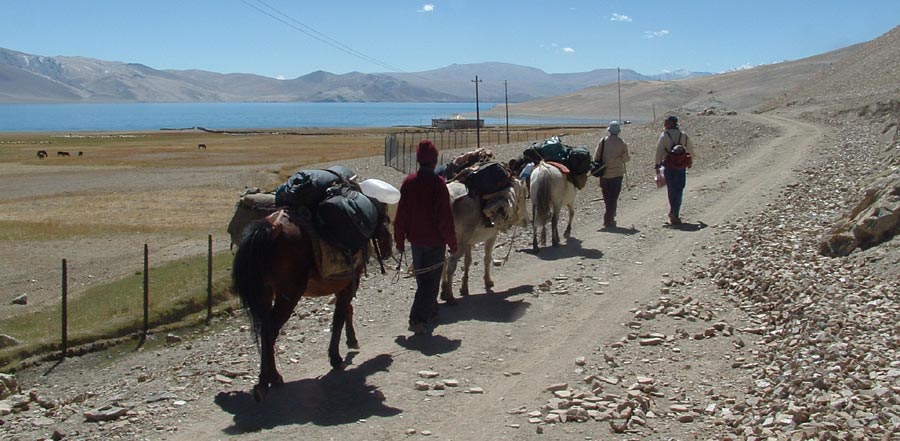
[[252, 205], [490, 177], [579, 160], [553, 150], [307, 188], [346, 218]]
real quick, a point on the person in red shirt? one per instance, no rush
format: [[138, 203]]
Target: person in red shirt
[[425, 219]]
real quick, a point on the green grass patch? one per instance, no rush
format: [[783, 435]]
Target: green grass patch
[[177, 292]]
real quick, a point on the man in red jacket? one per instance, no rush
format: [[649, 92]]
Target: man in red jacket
[[424, 217]]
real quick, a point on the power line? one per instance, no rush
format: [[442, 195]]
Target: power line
[[313, 33]]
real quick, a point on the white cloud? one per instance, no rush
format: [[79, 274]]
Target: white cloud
[[619, 17], [656, 34], [427, 7], [568, 50]]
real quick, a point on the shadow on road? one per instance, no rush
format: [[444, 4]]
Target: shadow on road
[[428, 344], [687, 226], [619, 230], [339, 397], [571, 248], [488, 307]]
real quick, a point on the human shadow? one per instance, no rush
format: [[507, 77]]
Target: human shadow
[[338, 397], [493, 306], [619, 230], [687, 226], [428, 344], [571, 248]]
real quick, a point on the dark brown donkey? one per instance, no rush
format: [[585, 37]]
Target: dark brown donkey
[[275, 265]]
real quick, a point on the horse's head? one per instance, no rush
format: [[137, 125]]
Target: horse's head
[[382, 234]]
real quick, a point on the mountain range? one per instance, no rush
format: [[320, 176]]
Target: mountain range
[[28, 78]]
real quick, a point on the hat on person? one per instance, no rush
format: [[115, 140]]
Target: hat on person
[[672, 119], [426, 153], [614, 128]]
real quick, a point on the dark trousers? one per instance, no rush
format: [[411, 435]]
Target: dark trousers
[[425, 304], [675, 181], [611, 188]]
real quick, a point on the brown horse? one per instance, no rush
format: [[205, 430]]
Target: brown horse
[[276, 264]]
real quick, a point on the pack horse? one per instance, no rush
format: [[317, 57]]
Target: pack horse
[[282, 258]]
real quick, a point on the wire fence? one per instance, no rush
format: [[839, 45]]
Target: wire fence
[[134, 304], [400, 147]]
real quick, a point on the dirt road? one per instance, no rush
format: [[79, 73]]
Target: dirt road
[[565, 315]]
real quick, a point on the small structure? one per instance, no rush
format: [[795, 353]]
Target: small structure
[[457, 122]]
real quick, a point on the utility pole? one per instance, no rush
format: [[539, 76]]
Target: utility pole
[[477, 114], [619, 82], [654, 113], [506, 103]]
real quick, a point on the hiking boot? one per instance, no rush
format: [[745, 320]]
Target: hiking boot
[[419, 329]]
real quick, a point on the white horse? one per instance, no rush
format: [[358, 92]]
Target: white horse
[[550, 191], [470, 229]]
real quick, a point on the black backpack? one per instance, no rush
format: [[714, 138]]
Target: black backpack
[[306, 188], [490, 177], [346, 218]]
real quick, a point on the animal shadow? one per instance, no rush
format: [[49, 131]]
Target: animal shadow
[[619, 230], [339, 397], [489, 307], [572, 247], [428, 344], [687, 226]]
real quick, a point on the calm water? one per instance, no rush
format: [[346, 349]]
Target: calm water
[[154, 116]]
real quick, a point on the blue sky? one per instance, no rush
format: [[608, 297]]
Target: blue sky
[[287, 39]]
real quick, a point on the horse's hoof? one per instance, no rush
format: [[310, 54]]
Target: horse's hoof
[[449, 301], [278, 381], [259, 392], [352, 344]]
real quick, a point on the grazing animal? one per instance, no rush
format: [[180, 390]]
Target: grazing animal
[[470, 230], [42, 154], [275, 264], [80, 153], [201, 146], [63, 154], [550, 191]]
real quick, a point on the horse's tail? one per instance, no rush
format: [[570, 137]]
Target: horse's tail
[[541, 183], [252, 259]]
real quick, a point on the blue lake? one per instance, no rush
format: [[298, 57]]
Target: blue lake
[[155, 116]]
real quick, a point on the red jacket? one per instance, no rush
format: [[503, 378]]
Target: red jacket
[[424, 216]]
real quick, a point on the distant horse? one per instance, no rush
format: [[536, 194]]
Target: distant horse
[[42, 154], [275, 265], [470, 229], [80, 153], [201, 146], [550, 191], [63, 154]]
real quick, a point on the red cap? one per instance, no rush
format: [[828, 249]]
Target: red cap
[[427, 153]]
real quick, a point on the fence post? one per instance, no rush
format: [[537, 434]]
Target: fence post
[[209, 266], [146, 293], [65, 309]]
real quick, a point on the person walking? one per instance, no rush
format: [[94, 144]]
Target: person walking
[[612, 151], [424, 218], [674, 168]]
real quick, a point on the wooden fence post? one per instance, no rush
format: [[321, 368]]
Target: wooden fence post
[[209, 269], [146, 293], [65, 309]]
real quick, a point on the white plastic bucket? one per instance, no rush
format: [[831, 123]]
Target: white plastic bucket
[[378, 189]]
